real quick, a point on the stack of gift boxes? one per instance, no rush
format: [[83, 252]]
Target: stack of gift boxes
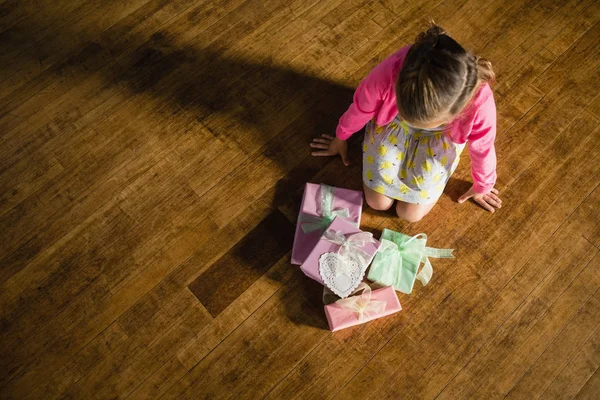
[[331, 249]]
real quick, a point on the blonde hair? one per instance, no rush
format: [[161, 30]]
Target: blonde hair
[[438, 76]]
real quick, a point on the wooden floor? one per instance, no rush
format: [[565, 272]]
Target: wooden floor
[[153, 155]]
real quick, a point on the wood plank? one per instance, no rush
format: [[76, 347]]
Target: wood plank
[[240, 310], [476, 33], [258, 124], [576, 89], [541, 335], [147, 348], [81, 363], [578, 52], [591, 388], [574, 30], [542, 373], [122, 158], [15, 21], [126, 42], [260, 342], [54, 346], [199, 260], [142, 142], [588, 227], [188, 271], [594, 107], [279, 159], [535, 26], [578, 371], [122, 297], [472, 380], [102, 163], [121, 267], [406, 20], [224, 281], [551, 266], [14, 11], [166, 376], [355, 30], [532, 220], [66, 49], [96, 236], [180, 199], [24, 178], [363, 349]]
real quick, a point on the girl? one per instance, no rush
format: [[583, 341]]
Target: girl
[[422, 105]]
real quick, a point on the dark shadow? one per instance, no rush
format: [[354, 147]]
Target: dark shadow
[[456, 188], [303, 301], [376, 233], [288, 199], [301, 298], [256, 104]]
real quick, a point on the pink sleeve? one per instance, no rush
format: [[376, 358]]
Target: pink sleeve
[[368, 98], [481, 147]]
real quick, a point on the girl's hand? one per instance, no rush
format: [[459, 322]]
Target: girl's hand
[[330, 146], [487, 201]]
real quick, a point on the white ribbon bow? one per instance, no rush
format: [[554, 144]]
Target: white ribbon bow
[[362, 305], [351, 245]]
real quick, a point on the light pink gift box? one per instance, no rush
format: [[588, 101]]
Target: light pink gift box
[[311, 205], [339, 317], [310, 267]]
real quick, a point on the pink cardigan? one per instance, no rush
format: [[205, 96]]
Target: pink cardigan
[[375, 98]]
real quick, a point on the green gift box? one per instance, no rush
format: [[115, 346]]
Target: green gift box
[[398, 260]]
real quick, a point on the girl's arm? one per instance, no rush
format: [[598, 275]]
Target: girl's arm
[[481, 148], [368, 98], [483, 158]]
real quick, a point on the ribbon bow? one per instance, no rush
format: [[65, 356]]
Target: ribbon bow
[[362, 304], [391, 254], [351, 245], [311, 223]]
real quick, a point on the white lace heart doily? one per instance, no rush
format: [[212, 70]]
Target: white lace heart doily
[[341, 281]]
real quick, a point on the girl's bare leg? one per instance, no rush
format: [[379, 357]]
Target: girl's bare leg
[[377, 201], [412, 212]]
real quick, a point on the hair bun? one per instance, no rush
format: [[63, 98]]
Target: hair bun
[[485, 72], [431, 35]]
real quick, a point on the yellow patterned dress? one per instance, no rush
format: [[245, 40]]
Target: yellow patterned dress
[[408, 164]]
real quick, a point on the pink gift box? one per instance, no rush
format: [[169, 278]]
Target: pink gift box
[[351, 200], [339, 317], [310, 267]]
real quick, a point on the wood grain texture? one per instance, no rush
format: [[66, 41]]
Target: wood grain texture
[[231, 275], [152, 160]]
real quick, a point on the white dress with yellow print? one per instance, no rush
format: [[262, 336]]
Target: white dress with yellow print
[[408, 164]]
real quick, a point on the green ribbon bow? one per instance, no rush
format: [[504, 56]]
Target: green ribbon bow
[[398, 260], [311, 223]]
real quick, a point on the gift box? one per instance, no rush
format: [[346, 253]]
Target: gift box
[[320, 205], [340, 257], [356, 310], [398, 260]]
